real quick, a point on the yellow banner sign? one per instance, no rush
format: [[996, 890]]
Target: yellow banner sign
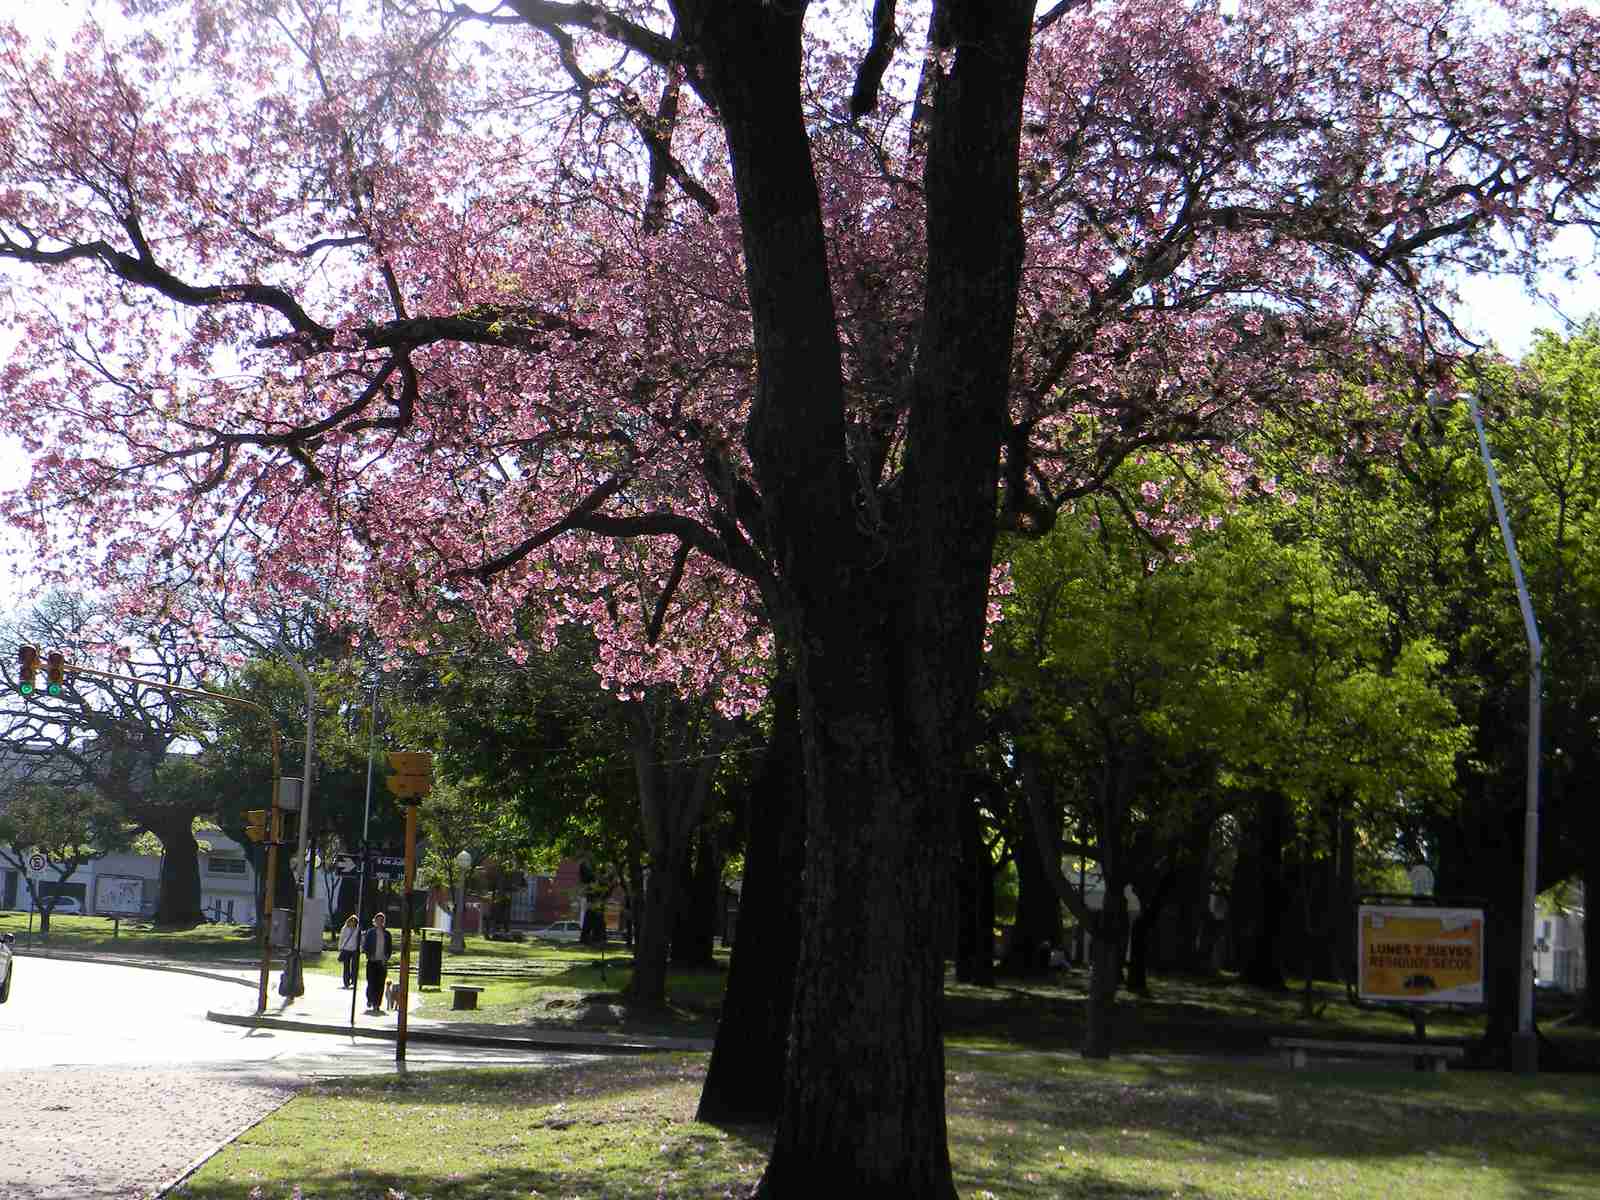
[[411, 772], [1416, 954]]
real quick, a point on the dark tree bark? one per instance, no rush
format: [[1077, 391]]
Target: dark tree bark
[[179, 904], [1193, 923], [883, 603], [744, 1082], [1481, 860], [1152, 903], [1262, 874], [1107, 940], [674, 769], [1038, 926], [974, 897], [1589, 1003], [1108, 928], [694, 932]]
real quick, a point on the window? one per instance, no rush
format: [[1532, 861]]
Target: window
[[217, 864]]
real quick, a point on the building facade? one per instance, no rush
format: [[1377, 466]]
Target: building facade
[[127, 884]]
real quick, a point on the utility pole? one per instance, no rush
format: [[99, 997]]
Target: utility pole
[[366, 822], [294, 981], [1524, 1043]]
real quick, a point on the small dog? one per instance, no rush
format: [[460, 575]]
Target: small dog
[[391, 995]]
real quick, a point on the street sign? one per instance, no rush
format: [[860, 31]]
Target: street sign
[[35, 863], [410, 773], [383, 865]]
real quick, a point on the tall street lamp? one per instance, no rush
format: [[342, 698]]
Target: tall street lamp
[[1524, 1044], [458, 927]]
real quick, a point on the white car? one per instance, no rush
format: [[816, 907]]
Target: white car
[[6, 939], [63, 906], [561, 931]]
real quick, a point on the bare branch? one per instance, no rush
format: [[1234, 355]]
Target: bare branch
[[869, 76]]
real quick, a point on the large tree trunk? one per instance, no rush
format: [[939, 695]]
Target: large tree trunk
[[974, 896], [1108, 937], [1038, 927], [672, 798], [694, 931], [1194, 925], [648, 986], [881, 595], [179, 904], [744, 1081], [1589, 1007], [1259, 951], [1152, 901]]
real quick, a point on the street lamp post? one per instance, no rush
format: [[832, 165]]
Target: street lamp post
[[294, 981], [1524, 1043], [458, 927]]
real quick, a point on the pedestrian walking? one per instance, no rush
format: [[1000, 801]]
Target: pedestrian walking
[[350, 950], [378, 945]]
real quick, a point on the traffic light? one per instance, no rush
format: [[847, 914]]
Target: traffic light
[[255, 824], [55, 672], [27, 668]]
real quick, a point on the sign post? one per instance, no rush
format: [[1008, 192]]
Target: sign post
[[411, 779], [36, 865]]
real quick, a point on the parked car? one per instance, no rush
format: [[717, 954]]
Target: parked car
[[6, 941], [63, 906], [561, 931]]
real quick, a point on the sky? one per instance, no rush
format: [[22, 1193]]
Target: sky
[[1497, 309]]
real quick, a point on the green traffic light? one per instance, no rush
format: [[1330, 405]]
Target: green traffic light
[[26, 689], [55, 689]]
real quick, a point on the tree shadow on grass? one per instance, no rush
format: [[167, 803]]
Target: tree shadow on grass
[[1386, 1122], [589, 1151], [517, 1087], [1086, 1182]]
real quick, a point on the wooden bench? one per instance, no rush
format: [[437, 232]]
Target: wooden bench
[[1296, 1051], [464, 995]]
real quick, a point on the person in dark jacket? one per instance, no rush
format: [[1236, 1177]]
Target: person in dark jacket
[[378, 945]]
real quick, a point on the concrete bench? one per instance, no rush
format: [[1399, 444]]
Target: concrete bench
[[464, 995], [1296, 1051]]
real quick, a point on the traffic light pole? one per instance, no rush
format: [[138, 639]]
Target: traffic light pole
[[275, 825]]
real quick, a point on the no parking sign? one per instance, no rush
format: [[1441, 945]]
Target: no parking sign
[[35, 863]]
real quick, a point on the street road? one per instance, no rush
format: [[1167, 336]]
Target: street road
[[114, 1083]]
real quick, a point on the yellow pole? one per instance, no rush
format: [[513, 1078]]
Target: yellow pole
[[405, 926]]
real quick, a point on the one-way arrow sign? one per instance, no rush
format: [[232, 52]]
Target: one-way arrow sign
[[378, 864]]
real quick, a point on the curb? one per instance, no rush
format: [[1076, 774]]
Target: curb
[[182, 1176], [445, 1037], [142, 964]]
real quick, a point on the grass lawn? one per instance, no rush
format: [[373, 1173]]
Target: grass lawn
[[1022, 1127], [103, 935]]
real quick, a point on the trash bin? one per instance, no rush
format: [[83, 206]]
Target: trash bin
[[430, 962]]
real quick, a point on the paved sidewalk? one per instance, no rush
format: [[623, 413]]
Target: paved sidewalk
[[325, 1008]]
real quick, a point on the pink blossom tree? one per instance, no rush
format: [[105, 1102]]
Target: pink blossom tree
[[714, 324]]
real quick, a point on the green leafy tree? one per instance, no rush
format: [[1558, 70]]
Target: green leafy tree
[[1154, 691], [69, 826]]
